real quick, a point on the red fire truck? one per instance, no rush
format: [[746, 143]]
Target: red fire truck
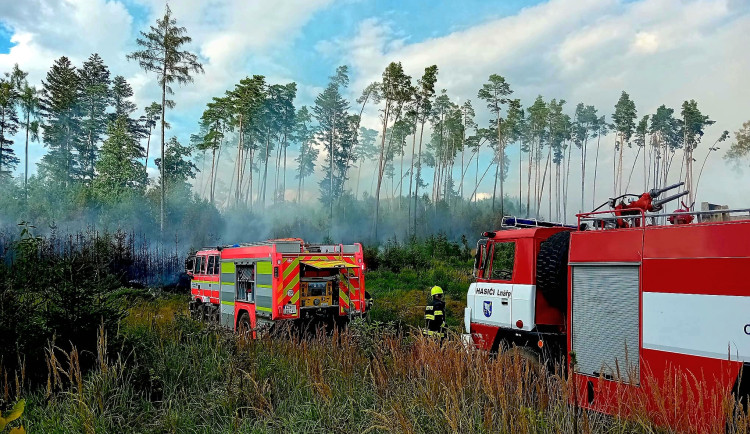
[[634, 302], [249, 286]]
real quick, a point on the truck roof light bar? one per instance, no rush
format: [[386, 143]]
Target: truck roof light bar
[[515, 222]]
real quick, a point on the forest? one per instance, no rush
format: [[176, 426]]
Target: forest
[[296, 168]]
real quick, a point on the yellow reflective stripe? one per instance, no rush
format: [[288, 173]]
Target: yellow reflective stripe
[[295, 297], [430, 333], [438, 312], [264, 286], [228, 303], [428, 308], [228, 283], [205, 281], [228, 267], [264, 267], [291, 267], [343, 296], [429, 316], [263, 309]]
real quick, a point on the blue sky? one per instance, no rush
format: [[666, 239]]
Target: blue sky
[[660, 51], [5, 43]]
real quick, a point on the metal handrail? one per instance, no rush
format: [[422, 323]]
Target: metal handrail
[[586, 216], [583, 217]]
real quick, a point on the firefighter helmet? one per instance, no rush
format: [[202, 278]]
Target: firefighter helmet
[[436, 290]]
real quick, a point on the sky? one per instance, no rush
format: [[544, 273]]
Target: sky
[[659, 51]]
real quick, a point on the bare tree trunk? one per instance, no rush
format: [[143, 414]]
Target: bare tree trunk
[[26, 160], [416, 182], [542, 181], [283, 177], [596, 165], [494, 189], [163, 126], [381, 168], [411, 173]]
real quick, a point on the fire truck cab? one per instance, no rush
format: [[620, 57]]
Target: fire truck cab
[[249, 286], [518, 298]]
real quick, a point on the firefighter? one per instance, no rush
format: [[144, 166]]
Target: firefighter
[[434, 314]]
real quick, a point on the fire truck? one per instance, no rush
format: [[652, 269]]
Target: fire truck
[[630, 301], [249, 287]]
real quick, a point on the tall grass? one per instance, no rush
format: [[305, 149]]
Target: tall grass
[[167, 373]]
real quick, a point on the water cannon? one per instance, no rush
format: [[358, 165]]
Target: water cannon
[[656, 192], [657, 204]]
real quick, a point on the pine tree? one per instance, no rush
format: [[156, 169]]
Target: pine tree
[[396, 93], [286, 122], [120, 174], [245, 103], [364, 150], [178, 169], [624, 123], [335, 133], [59, 105], [8, 126], [148, 122], [422, 107], [693, 125], [29, 103], [303, 134], [162, 54], [93, 79], [495, 92]]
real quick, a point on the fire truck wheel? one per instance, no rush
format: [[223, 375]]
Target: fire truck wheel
[[552, 269]]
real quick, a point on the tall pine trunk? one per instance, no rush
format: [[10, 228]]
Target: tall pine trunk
[[163, 127]]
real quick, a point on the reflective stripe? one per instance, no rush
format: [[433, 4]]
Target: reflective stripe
[[264, 267], [430, 317], [228, 303], [228, 267], [430, 333], [428, 308], [438, 312]]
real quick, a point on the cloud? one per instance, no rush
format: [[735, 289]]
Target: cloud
[[660, 51]]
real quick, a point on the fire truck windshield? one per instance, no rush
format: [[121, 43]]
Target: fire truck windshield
[[497, 260]]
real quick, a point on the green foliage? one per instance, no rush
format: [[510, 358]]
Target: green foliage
[[64, 297], [178, 169], [740, 148], [120, 174], [337, 131], [62, 134], [94, 98], [624, 118], [8, 126]]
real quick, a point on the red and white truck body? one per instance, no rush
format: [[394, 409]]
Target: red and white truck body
[[649, 313]]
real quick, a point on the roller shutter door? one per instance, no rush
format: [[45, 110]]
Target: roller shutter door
[[605, 320]]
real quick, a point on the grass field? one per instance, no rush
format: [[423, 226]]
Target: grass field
[[165, 372]]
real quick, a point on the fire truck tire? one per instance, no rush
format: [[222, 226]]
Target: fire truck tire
[[552, 269]]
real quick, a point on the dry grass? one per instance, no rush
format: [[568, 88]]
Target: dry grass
[[182, 376]]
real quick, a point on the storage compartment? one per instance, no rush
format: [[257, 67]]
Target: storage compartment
[[605, 320]]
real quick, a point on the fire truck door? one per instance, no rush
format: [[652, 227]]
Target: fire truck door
[[606, 321], [263, 288], [226, 296]]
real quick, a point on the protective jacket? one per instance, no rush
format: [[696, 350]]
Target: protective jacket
[[434, 315]]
